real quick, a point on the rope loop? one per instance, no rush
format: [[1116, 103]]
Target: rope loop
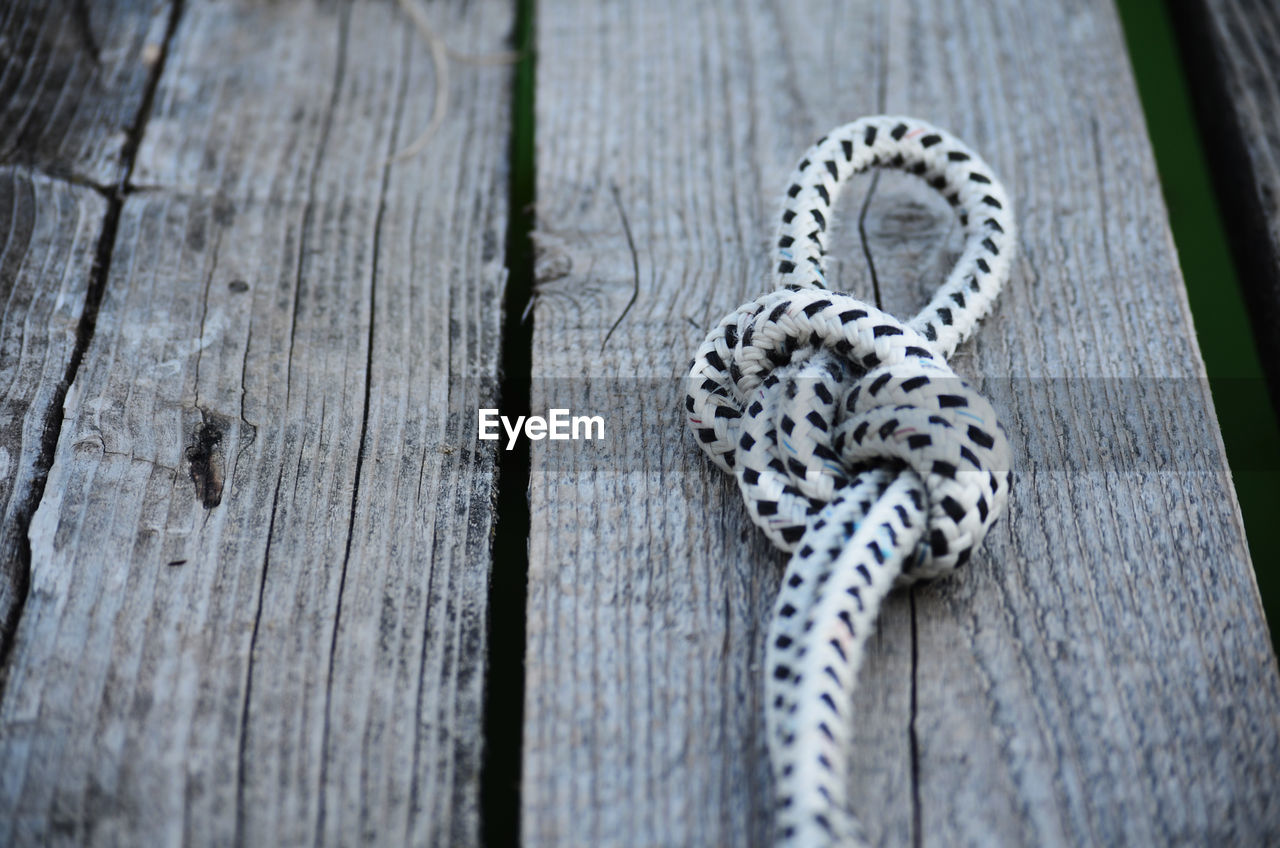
[[855, 445]]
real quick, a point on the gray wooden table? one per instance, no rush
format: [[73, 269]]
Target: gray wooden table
[[247, 555]]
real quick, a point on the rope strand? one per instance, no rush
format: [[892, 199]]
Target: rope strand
[[855, 446]]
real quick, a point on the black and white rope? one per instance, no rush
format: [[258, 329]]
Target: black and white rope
[[855, 445]]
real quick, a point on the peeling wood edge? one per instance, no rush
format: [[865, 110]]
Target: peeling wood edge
[[1232, 173]]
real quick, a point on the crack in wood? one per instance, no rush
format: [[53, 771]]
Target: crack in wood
[[367, 403], [98, 273]]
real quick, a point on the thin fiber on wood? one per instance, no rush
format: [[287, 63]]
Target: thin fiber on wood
[[1101, 672], [258, 573]]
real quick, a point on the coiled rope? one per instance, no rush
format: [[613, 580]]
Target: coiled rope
[[855, 445]]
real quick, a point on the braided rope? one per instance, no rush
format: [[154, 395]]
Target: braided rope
[[855, 445]]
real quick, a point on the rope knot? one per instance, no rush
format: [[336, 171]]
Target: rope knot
[[855, 445], [809, 390]]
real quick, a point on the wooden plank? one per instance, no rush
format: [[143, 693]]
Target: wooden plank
[[72, 87], [1233, 50], [51, 231], [1101, 674], [258, 576]]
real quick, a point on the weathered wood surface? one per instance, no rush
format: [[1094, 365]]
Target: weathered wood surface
[[72, 84], [1101, 674], [74, 78], [1234, 50], [258, 572]]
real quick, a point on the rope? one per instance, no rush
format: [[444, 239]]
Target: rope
[[855, 445]]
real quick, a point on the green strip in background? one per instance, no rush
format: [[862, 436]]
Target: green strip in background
[[1245, 414]]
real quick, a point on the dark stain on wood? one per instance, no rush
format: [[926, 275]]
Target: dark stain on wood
[[81, 15], [205, 462], [224, 212], [196, 236]]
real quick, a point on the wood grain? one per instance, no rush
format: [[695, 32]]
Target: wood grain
[[73, 85], [258, 577], [51, 231], [1101, 674], [73, 78]]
